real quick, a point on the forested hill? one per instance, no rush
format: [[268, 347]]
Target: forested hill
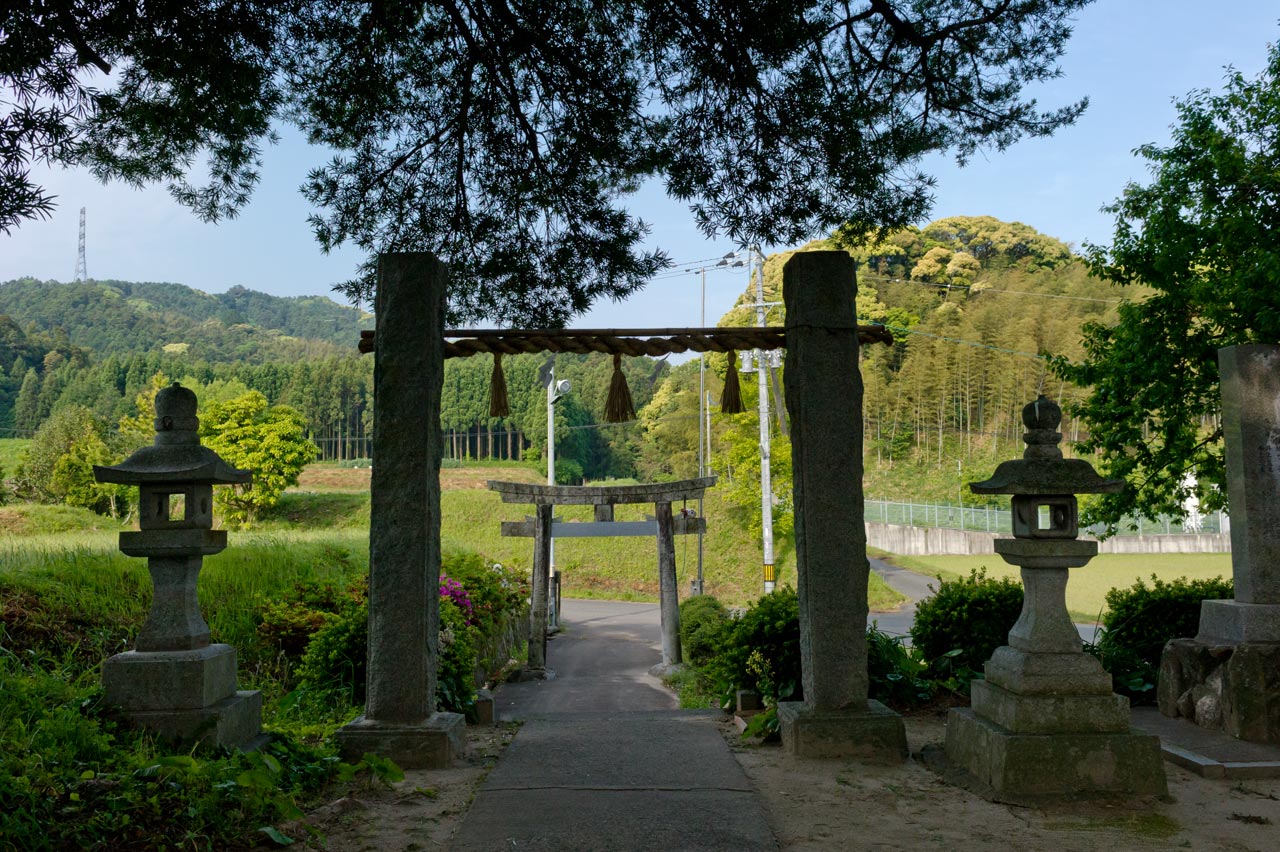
[[125, 318], [976, 305]]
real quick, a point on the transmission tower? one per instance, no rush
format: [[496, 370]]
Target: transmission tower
[[82, 272]]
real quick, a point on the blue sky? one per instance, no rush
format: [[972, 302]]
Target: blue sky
[[1132, 58]]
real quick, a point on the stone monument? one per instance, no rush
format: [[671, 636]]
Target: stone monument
[[1045, 722], [174, 681], [1228, 677], [824, 399], [400, 719]]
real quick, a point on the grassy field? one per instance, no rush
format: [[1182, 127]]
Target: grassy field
[[11, 450], [1088, 586], [331, 504]]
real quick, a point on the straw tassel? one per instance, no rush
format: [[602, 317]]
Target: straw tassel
[[619, 408], [731, 398], [498, 405]]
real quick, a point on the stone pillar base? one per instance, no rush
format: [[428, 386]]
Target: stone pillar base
[[1228, 687], [1015, 767], [433, 744], [1231, 621], [872, 733]]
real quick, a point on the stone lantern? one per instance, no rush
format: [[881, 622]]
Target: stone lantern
[[174, 681], [1045, 722]]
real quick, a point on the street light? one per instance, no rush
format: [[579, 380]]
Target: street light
[[555, 392], [729, 261]]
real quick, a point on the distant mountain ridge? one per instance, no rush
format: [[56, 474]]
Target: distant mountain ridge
[[121, 317]]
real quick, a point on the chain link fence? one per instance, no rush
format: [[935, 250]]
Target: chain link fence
[[988, 519]]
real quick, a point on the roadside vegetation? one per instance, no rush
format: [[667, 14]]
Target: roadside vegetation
[[1088, 587], [74, 775]]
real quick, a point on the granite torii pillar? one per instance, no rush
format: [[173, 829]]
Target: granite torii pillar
[[400, 720], [824, 399]]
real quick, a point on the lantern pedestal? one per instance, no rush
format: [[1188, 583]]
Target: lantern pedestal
[[185, 696]]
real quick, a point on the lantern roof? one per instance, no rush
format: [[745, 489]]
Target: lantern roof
[[1042, 470], [177, 455]]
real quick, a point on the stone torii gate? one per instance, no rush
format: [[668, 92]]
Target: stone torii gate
[[824, 399], [543, 528]]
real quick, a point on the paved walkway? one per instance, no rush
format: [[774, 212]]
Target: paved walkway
[[604, 760]]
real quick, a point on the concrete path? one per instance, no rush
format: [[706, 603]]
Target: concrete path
[[604, 760]]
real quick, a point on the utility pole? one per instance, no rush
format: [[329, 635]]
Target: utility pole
[[766, 483]]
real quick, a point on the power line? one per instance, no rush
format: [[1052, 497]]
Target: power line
[[972, 343]]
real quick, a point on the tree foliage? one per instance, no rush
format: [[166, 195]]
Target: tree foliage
[[54, 439], [72, 479], [506, 135], [1204, 234], [268, 441]]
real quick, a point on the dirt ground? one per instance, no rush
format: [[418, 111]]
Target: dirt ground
[[845, 805]]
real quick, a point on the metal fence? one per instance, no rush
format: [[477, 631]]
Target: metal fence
[[988, 519]]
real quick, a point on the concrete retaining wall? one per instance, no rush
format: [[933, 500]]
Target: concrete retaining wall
[[923, 541]]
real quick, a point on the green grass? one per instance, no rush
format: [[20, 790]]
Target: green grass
[[317, 510], [31, 519], [1088, 586], [608, 568], [11, 450], [85, 581], [627, 568]]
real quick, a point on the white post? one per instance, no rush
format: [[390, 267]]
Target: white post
[[766, 486], [551, 460], [702, 429]]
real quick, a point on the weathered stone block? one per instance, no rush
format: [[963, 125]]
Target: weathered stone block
[[1047, 674], [1233, 688], [485, 713], [433, 744], [1231, 621], [872, 733], [233, 722], [1047, 714], [748, 701], [1018, 766], [170, 680]]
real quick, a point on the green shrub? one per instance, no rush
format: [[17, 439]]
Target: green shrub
[[288, 625], [1141, 620], [494, 590], [475, 598], [71, 777], [971, 615], [895, 672], [336, 659], [762, 650], [703, 620], [455, 675]]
